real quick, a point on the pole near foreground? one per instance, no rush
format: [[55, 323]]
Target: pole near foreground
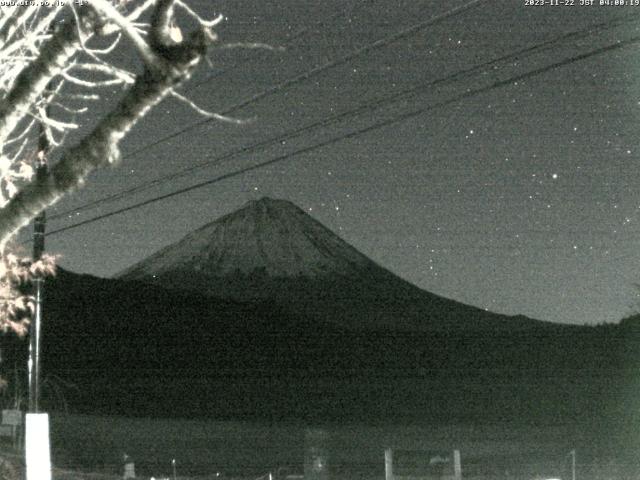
[[37, 443], [39, 225], [36, 326]]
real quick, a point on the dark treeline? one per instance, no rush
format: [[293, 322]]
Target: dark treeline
[[127, 348]]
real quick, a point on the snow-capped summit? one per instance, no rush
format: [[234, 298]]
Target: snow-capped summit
[[267, 237], [271, 250]]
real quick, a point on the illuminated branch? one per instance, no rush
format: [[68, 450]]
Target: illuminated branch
[[42, 51]]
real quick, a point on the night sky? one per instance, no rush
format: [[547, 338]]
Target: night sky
[[519, 196]]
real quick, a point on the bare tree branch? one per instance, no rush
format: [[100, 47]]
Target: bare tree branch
[[175, 64], [205, 113], [109, 11], [40, 67], [33, 80]]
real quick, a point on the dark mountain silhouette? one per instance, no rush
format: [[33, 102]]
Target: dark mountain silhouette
[[298, 324], [272, 250]]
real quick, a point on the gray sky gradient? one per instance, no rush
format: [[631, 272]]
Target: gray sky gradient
[[520, 199]]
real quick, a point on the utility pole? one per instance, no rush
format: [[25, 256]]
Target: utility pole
[[37, 443], [39, 225]]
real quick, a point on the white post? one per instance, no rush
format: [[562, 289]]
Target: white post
[[457, 465], [573, 464], [37, 450], [388, 464]]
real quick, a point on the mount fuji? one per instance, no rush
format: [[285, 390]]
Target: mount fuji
[[272, 250], [265, 313], [266, 237]]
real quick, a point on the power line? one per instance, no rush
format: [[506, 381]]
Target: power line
[[402, 95], [297, 79], [376, 126], [297, 35], [290, 40], [317, 70]]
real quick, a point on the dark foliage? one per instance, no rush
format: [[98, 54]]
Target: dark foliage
[[137, 349]]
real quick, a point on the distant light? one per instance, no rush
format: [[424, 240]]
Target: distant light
[[554, 176]]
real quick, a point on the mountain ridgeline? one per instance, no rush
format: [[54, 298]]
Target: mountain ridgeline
[[265, 313], [272, 250]]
